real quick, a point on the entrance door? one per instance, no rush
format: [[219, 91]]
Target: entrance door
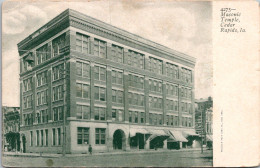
[[119, 140]]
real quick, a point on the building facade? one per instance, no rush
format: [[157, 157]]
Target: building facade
[[204, 120], [86, 82], [11, 128]]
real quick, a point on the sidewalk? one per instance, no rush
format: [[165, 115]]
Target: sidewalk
[[53, 155]]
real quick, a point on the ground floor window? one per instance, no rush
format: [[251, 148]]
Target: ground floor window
[[31, 138], [100, 136], [53, 136], [83, 135], [46, 137]]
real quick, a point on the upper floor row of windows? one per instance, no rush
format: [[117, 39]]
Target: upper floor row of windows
[[117, 54]]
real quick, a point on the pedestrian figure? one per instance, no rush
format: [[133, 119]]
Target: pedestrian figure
[[90, 149]]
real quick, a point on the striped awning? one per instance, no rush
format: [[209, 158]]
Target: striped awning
[[158, 133], [187, 133], [177, 136], [134, 131]]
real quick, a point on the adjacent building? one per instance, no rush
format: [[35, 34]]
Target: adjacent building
[[204, 120], [84, 82], [11, 128]]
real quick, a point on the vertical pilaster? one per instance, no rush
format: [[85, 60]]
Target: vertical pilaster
[[109, 51], [67, 38], [193, 100], [34, 98], [126, 104], [91, 41], [125, 55], [109, 94], [146, 99], [21, 103], [164, 103], [70, 71], [179, 107], [72, 40], [49, 99], [164, 68], [49, 50], [146, 62], [92, 91]]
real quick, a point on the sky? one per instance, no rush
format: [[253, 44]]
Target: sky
[[182, 26]]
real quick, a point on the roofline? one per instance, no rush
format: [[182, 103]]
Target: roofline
[[96, 22]]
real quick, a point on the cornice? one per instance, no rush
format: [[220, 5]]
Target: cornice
[[78, 20]]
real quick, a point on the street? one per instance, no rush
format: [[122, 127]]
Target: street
[[162, 159]]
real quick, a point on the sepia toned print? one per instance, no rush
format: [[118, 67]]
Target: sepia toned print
[[97, 90]]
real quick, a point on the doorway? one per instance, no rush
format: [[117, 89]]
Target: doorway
[[119, 140]]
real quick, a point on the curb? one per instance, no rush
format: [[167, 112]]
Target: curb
[[100, 154]]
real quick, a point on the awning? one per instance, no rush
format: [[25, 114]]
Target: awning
[[209, 138], [134, 131], [187, 133], [177, 136], [157, 133]]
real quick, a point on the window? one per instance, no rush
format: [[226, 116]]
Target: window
[[27, 84], [136, 117], [99, 48], [42, 78], [100, 136], [155, 86], [58, 44], [135, 59], [83, 135], [46, 137], [31, 138], [117, 54], [155, 65], [172, 70], [155, 102], [130, 116], [83, 69], [100, 93], [42, 54], [42, 137], [136, 81], [186, 75], [59, 136], [100, 73], [117, 77], [142, 117], [58, 71], [114, 115], [100, 113], [42, 97], [57, 92], [53, 137], [135, 99], [58, 113], [82, 90], [83, 112], [37, 138], [117, 96], [27, 100], [82, 43]]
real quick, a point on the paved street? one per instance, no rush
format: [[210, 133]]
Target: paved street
[[166, 159]]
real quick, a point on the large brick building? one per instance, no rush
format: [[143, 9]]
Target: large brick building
[[93, 83]]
